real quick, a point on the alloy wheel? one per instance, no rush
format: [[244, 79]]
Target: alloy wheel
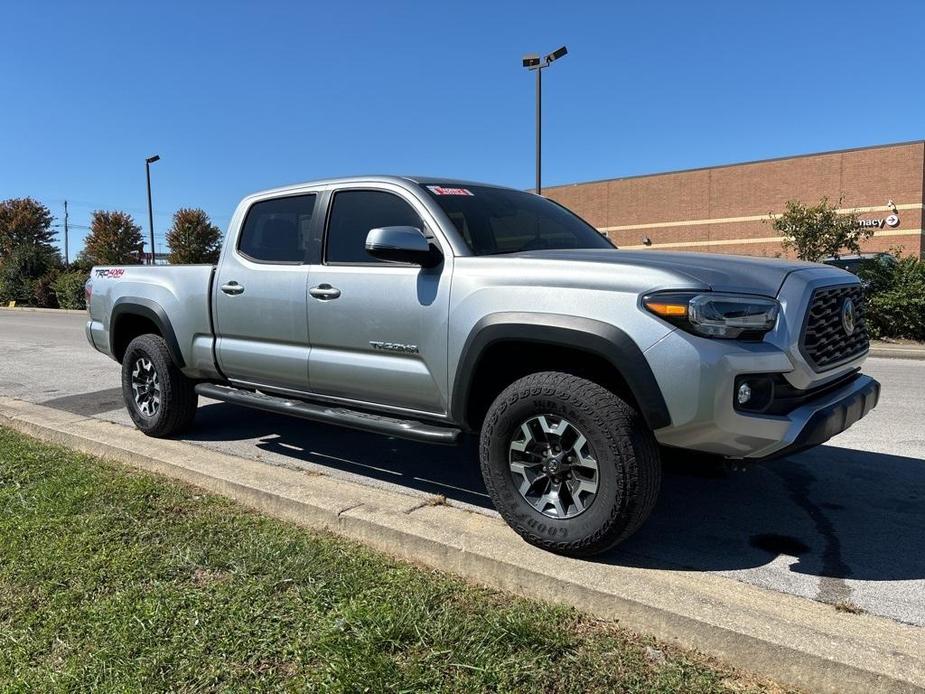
[[553, 466], [146, 387]]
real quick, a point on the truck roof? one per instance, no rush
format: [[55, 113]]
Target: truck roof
[[377, 178]]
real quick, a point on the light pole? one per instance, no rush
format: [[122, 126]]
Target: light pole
[[533, 62], [148, 162]]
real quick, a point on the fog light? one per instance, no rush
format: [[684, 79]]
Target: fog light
[[753, 393], [744, 394]]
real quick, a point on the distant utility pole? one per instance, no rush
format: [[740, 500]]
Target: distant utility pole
[[148, 162], [533, 62], [66, 259]]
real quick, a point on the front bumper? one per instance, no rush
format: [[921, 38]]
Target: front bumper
[[825, 422], [697, 377]]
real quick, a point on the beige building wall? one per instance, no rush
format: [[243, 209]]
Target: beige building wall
[[726, 209]]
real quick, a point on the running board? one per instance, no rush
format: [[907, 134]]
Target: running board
[[340, 416]]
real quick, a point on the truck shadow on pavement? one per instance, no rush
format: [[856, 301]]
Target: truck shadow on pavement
[[452, 471], [829, 512]]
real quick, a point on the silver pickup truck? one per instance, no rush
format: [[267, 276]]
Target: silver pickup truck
[[428, 309]]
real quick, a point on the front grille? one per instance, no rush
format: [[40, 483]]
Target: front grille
[[824, 342]]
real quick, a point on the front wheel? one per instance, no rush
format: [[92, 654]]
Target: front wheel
[[569, 465], [160, 399]]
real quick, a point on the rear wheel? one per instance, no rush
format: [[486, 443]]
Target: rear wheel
[[160, 399], [569, 465]]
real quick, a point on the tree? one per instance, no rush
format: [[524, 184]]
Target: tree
[[819, 231], [193, 238], [114, 239], [24, 222]]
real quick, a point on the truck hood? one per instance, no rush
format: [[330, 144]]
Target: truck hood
[[729, 273]]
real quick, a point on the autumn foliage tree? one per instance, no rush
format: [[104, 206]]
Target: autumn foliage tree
[[114, 239], [25, 222], [29, 263], [193, 238], [818, 231]]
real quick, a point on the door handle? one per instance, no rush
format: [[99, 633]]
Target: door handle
[[233, 288], [325, 292]]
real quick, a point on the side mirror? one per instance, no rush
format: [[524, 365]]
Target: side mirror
[[402, 244]]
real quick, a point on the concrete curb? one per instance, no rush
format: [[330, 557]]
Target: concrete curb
[[35, 309], [889, 350], [795, 641]]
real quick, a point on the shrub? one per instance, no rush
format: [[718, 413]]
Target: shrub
[[43, 291], [69, 288], [16, 287], [896, 297], [21, 269]]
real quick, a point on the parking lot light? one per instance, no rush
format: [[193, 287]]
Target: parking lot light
[[148, 162], [532, 61]]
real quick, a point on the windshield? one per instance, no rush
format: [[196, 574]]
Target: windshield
[[501, 220]]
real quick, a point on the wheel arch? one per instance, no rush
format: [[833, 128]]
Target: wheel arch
[[603, 345], [131, 316]]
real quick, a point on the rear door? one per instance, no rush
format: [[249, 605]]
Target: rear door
[[378, 329], [260, 293]]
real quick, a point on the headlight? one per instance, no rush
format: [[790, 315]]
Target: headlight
[[727, 316]]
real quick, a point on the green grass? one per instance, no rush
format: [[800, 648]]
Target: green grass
[[112, 579]]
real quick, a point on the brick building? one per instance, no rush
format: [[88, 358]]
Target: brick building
[[725, 209]]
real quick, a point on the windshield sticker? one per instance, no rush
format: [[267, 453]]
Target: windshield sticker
[[440, 190]]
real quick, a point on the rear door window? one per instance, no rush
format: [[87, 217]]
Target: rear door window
[[278, 230]]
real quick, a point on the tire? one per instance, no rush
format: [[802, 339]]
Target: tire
[[170, 406], [618, 443]]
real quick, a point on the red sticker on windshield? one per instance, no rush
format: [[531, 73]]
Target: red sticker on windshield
[[440, 190]]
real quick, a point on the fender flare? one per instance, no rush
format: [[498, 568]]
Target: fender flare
[[146, 308], [585, 334]]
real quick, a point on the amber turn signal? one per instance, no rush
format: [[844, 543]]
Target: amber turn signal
[[666, 310]]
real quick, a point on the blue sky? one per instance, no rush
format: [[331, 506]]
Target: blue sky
[[240, 96]]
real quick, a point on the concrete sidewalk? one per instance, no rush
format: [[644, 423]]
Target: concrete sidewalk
[[796, 641]]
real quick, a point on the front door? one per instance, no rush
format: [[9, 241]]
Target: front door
[[378, 329], [260, 293]]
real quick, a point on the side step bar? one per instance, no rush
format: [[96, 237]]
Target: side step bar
[[340, 416]]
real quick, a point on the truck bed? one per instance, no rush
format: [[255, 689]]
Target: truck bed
[[182, 292]]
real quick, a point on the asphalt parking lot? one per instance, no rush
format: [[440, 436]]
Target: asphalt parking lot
[[843, 523]]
